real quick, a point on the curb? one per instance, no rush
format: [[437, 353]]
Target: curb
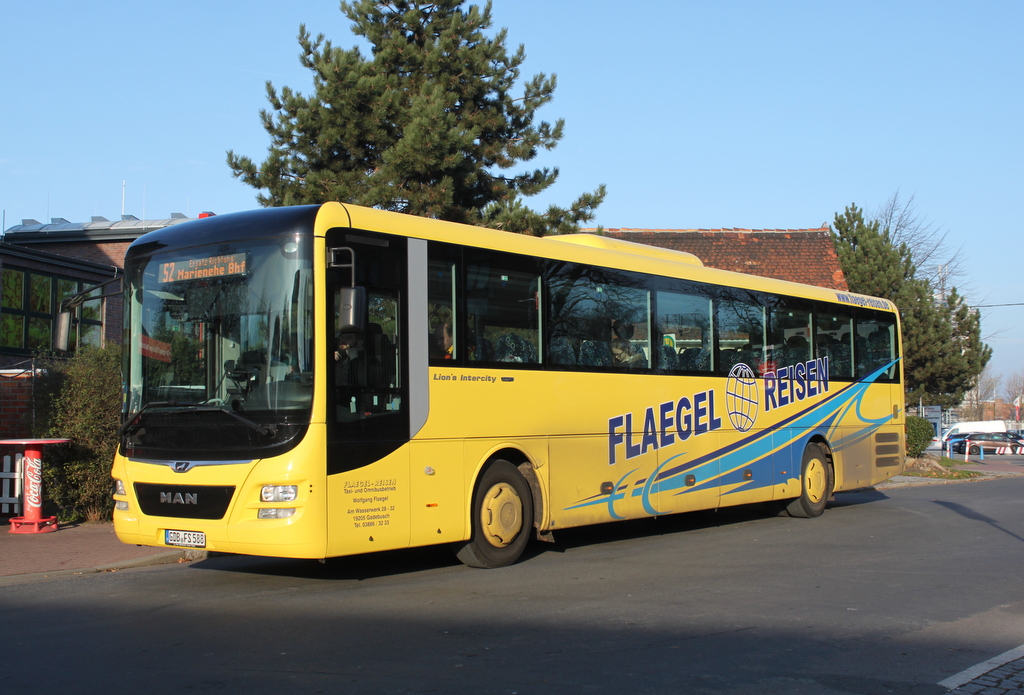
[[918, 481]]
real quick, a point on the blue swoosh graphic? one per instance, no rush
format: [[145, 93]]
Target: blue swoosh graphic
[[755, 452]]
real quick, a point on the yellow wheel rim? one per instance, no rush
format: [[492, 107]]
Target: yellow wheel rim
[[814, 480], [502, 515]]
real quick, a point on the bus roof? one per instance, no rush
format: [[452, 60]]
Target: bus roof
[[582, 248], [623, 246]]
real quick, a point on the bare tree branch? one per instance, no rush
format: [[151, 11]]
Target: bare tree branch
[[936, 262]]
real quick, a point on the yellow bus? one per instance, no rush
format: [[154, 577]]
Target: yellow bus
[[327, 380]]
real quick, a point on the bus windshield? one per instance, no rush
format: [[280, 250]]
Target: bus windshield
[[220, 360]]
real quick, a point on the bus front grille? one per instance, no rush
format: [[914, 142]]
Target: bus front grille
[[184, 501]]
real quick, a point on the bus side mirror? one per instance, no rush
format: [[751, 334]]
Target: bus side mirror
[[352, 310], [63, 334]]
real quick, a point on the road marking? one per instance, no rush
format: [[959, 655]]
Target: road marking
[[984, 667]]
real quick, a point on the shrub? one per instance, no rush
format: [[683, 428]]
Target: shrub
[[80, 399], [919, 434]]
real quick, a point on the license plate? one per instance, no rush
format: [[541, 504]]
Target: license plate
[[188, 539]]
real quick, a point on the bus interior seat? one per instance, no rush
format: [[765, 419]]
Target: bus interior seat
[[688, 358], [728, 358], [562, 351], [595, 353], [668, 358], [840, 363], [701, 360], [514, 348]]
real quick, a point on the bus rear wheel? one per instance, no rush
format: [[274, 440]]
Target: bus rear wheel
[[502, 518], [816, 483]]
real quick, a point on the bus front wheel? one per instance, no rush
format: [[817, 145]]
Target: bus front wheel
[[816, 483], [502, 518]]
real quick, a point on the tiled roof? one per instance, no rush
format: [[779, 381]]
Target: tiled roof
[[798, 255]]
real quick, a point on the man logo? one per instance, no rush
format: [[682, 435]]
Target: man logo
[[181, 466], [179, 498]]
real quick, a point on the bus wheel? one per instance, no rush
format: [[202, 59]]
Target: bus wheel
[[502, 518], [815, 484]]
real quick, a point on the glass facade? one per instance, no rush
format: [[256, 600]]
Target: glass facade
[[29, 306]]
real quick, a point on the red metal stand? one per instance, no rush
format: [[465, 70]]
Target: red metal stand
[[32, 490]]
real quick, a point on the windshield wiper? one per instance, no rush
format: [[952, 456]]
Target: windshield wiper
[[265, 430], [133, 421]]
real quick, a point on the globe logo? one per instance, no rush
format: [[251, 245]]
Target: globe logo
[[741, 397]]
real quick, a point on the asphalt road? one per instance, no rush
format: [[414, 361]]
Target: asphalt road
[[888, 592]]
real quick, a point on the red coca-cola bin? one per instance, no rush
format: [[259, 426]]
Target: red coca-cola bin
[[32, 488]]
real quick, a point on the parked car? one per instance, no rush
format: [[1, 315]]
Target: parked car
[[948, 442], [971, 426], [991, 442]]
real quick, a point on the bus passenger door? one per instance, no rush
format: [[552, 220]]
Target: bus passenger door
[[367, 387]]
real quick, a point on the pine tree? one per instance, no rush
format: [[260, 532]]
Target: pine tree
[[428, 125], [963, 342], [871, 263], [942, 349]]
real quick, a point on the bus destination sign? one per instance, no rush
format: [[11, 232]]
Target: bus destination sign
[[199, 268]]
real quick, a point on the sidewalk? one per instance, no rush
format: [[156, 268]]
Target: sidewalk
[[74, 549]]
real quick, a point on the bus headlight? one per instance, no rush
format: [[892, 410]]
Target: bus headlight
[[119, 487], [121, 505], [279, 493], [275, 513]]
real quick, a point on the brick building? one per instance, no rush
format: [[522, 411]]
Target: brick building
[[799, 255]]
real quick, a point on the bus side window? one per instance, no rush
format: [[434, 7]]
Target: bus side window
[[503, 295], [741, 328], [599, 318], [876, 345], [684, 324], [833, 339], [790, 335]]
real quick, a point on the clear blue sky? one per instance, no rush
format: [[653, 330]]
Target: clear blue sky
[[694, 114]]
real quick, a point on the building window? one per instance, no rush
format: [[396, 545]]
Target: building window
[[12, 310], [29, 306]]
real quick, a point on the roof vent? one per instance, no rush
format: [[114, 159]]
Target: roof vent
[[58, 220], [178, 216], [129, 218], [99, 218], [29, 222]]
